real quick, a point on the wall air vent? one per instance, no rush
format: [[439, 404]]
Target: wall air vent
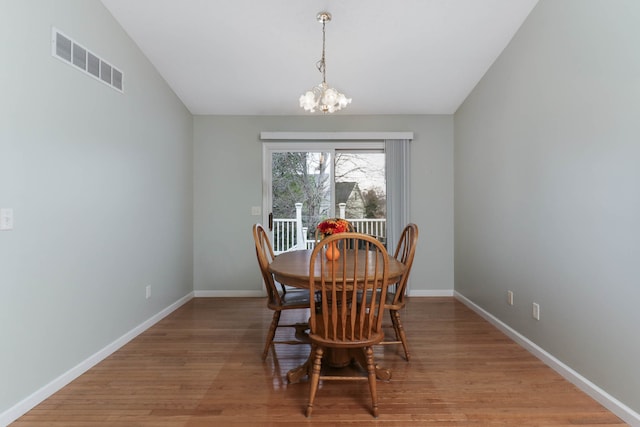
[[67, 50]]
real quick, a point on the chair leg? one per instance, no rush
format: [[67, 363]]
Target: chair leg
[[271, 333], [371, 370], [394, 323], [315, 377], [400, 335]]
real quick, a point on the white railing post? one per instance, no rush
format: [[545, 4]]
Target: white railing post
[[305, 230], [343, 209], [300, 238]]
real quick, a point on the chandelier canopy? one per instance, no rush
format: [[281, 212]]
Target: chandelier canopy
[[323, 97]]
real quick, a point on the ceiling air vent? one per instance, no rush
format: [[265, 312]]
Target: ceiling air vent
[[67, 50]]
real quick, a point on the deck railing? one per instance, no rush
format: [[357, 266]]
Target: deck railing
[[288, 233], [376, 227], [285, 236]]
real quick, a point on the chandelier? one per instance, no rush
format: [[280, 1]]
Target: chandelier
[[323, 97]]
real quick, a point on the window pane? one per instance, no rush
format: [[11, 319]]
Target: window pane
[[361, 191]]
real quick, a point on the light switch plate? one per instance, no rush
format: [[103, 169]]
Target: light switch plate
[[256, 210], [6, 219]]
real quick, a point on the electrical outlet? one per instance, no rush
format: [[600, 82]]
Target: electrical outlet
[[148, 291], [510, 297], [536, 311]]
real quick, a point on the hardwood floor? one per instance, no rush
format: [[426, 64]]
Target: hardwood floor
[[201, 366]]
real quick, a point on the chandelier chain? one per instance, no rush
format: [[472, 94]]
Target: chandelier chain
[[322, 64]]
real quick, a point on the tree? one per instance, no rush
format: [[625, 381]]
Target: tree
[[300, 177], [375, 204]]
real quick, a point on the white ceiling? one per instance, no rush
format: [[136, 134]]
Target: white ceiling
[[256, 57]]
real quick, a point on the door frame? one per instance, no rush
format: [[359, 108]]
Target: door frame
[[350, 137]]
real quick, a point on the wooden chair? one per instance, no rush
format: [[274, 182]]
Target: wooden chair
[[405, 250], [294, 299], [337, 322]]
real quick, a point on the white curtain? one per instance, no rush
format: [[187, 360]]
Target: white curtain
[[397, 154]]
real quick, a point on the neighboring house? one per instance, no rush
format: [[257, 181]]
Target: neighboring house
[[349, 193]]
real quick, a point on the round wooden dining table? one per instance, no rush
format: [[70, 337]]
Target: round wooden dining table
[[292, 269]]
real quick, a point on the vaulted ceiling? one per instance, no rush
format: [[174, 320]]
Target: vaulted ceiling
[[256, 57]]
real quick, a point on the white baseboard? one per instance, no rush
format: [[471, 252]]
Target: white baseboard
[[430, 293], [627, 414], [25, 405], [258, 294], [228, 294]]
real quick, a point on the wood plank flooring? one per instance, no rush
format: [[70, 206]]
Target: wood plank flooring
[[201, 366]]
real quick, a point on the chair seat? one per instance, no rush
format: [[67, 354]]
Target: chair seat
[[295, 297], [388, 302], [335, 340]]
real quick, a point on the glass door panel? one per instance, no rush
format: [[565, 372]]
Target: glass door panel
[[301, 188], [360, 190]]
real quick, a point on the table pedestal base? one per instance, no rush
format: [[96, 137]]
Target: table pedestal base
[[337, 358]]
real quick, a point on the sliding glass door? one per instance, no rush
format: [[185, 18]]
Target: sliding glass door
[[305, 183]]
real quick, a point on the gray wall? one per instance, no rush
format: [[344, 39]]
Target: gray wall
[[228, 176], [101, 187], [547, 188]]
